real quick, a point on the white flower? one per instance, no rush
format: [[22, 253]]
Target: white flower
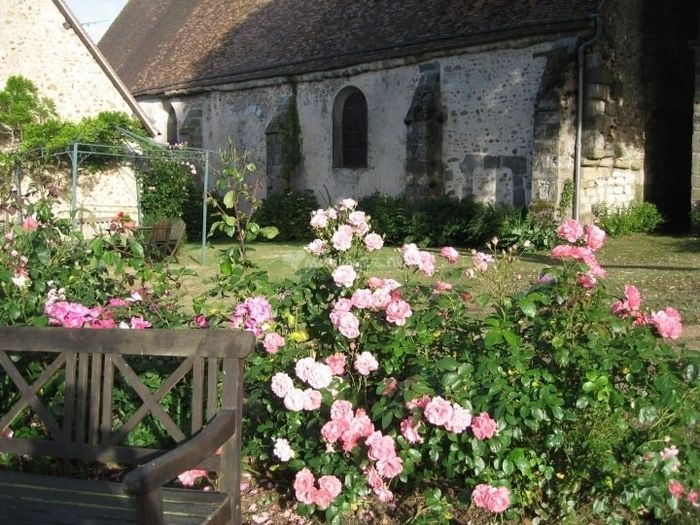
[[20, 281], [282, 450]]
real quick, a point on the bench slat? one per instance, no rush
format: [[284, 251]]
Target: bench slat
[[49, 500], [152, 342]]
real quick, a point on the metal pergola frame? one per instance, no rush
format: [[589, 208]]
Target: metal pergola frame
[[78, 152]]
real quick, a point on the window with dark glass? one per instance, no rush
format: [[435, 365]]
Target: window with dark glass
[[350, 129]]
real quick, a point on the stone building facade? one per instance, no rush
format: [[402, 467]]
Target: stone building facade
[[695, 178], [41, 40], [475, 100]]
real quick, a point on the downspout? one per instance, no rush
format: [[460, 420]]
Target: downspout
[[579, 114]]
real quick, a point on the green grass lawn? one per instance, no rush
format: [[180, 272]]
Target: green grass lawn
[[665, 269]]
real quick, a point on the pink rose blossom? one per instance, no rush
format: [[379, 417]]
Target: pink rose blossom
[[357, 217], [281, 384], [331, 484], [29, 224], [669, 453], [449, 253], [273, 342], [483, 426], [344, 276], [374, 480], [374, 282], [634, 297], [373, 242], [384, 494], [562, 251], [586, 280], [570, 230], [189, 477], [295, 400], [438, 411], [461, 419], [410, 431], [481, 261], [347, 204], [316, 247], [346, 323], [381, 298], [116, 302], [594, 236], [411, 254], [389, 468], [304, 486], [675, 489], [419, 402], [398, 311], [366, 363], [693, 498], [441, 287], [390, 385], [362, 298], [381, 447], [493, 499], [319, 219], [343, 305], [668, 323], [322, 499], [427, 263], [200, 321], [342, 238], [320, 376], [313, 399], [337, 364], [304, 367], [333, 430], [341, 409]]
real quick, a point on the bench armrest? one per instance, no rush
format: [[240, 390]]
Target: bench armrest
[[165, 468]]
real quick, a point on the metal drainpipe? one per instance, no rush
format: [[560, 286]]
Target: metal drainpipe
[[579, 115]]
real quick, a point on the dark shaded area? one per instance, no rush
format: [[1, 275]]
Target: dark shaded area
[[156, 45], [668, 79]]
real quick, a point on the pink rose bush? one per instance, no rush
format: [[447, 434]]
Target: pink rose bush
[[364, 389]]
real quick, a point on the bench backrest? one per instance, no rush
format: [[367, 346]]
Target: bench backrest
[[86, 422]]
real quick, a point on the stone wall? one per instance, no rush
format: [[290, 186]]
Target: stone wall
[[35, 43], [612, 154], [481, 143]]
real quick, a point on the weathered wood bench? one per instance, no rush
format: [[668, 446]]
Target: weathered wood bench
[[88, 427]]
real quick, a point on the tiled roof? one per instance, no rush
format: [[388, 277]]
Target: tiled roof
[[160, 45]]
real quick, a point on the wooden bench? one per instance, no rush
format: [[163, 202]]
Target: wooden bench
[[87, 423]]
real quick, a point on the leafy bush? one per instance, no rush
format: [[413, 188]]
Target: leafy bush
[[638, 217], [563, 403], [525, 229], [166, 188], [434, 222], [290, 214]]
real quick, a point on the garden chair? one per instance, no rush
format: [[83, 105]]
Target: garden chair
[[175, 237], [158, 238]]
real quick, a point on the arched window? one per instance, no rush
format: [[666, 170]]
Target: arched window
[[350, 129]]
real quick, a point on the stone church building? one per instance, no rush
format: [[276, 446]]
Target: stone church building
[[429, 97]]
